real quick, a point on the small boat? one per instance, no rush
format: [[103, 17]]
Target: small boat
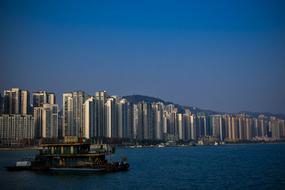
[[20, 165], [72, 157], [161, 145]]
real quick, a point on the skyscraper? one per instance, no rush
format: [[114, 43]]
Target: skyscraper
[[111, 118], [248, 128], [16, 101], [1, 104], [78, 100], [275, 127], [43, 97], [67, 114], [217, 127], [134, 121], [187, 126], [262, 126], [282, 128], [158, 109], [25, 102], [50, 121], [100, 100], [89, 118], [124, 130], [193, 127], [46, 121], [38, 121], [15, 127], [12, 101], [147, 121], [73, 113], [241, 127], [233, 130], [180, 126]]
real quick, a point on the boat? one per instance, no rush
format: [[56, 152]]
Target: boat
[[24, 164], [72, 157]]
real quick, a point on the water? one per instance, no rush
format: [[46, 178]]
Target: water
[[245, 166]]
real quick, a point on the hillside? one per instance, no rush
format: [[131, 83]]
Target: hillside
[[140, 98]]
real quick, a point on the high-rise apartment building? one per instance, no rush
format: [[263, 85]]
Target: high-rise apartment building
[[233, 128], [282, 128], [193, 127], [46, 120], [180, 126], [73, 113], [248, 128], [100, 100], [16, 101], [15, 128], [147, 121], [50, 121], [89, 118], [187, 126], [158, 109], [38, 121], [67, 114], [43, 97], [1, 104], [124, 129], [111, 118], [274, 127], [217, 127], [25, 102], [134, 121]]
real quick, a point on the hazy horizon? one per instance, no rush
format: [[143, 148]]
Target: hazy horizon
[[220, 55]]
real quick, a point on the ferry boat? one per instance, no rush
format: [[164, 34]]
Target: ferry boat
[[72, 157]]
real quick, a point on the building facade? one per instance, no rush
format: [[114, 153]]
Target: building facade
[[15, 128]]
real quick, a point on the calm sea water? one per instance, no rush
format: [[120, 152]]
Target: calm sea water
[[246, 166]]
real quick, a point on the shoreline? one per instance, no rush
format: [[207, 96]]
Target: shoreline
[[18, 148], [33, 148]]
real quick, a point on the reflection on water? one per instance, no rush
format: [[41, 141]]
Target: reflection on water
[[222, 167]]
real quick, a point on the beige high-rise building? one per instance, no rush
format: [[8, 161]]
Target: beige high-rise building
[[193, 125], [25, 102], [158, 109], [89, 118], [14, 128], [43, 97], [180, 126], [248, 128], [46, 121], [73, 113]]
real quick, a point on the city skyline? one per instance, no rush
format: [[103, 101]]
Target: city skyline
[[173, 94], [107, 117], [224, 56], [58, 98]]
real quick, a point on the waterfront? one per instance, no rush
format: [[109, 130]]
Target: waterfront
[[240, 166]]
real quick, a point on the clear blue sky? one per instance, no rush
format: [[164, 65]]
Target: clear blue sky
[[216, 54]]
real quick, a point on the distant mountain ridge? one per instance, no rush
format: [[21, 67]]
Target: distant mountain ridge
[[141, 98]]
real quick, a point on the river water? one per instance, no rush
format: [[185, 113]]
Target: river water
[[243, 166]]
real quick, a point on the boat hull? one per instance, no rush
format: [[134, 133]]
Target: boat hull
[[77, 170]]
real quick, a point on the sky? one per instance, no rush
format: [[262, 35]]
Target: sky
[[222, 55]]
